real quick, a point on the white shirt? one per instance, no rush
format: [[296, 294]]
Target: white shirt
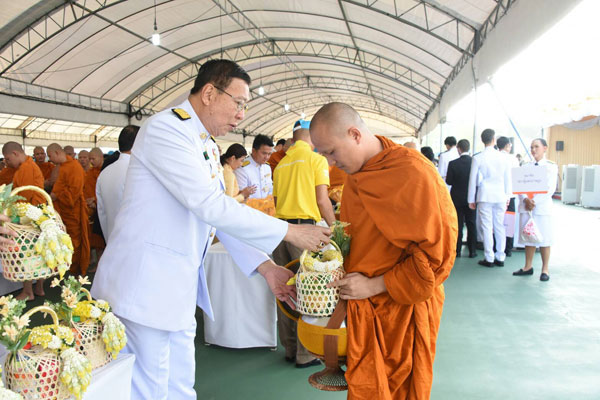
[[490, 177], [445, 158], [152, 270], [109, 192], [252, 174], [543, 201], [512, 163]]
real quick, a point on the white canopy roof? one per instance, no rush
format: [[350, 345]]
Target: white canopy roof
[[390, 59]]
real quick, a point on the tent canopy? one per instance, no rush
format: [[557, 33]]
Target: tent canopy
[[390, 59]]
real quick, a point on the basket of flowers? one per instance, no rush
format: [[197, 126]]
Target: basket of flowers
[[99, 335], [42, 362], [43, 248]]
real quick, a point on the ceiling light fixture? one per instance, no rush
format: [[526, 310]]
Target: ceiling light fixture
[[261, 90], [286, 107], [155, 35]]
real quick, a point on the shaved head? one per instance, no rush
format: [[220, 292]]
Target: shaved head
[[410, 145], [70, 151], [56, 154], [96, 157], [39, 154], [12, 146], [288, 144], [84, 159], [14, 155], [340, 134]]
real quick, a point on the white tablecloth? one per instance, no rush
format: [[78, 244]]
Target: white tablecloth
[[244, 308], [111, 382]]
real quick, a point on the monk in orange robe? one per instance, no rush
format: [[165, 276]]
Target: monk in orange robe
[[39, 154], [6, 175], [278, 155], [67, 195], [403, 228], [337, 178], [89, 193], [27, 173], [84, 159]]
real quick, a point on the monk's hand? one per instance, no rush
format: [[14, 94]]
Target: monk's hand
[[356, 286], [472, 206], [308, 237], [277, 278], [5, 239]]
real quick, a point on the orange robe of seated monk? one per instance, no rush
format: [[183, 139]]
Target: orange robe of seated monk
[[46, 168], [89, 191], [404, 227], [275, 159], [29, 174], [72, 208], [6, 175]]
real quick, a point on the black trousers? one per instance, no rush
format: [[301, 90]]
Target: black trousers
[[468, 217]]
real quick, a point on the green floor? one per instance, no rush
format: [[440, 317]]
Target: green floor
[[502, 337]]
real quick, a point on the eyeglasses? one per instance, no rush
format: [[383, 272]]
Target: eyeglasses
[[241, 105]]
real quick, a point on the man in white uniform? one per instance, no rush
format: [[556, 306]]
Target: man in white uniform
[[450, 154], [152, 270], [505, 146], [490, 169], [255, 171], [111, 182]]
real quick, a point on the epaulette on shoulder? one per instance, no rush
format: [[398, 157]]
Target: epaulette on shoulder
[[551, 162], [181, 113], [213, 139], [245, 163]]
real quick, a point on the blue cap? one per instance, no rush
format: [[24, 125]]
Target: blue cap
[[301, 124]]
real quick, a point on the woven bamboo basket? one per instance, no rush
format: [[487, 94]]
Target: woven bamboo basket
[[34, 373], [314, 298], [22, 263], [89, 340]]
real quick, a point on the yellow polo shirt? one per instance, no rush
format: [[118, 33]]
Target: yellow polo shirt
[[294, 182]]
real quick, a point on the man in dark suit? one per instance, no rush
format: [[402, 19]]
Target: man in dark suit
[[458, 177]]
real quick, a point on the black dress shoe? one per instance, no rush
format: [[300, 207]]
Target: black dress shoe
[[472, 255], [499, 263], [544, 277], [312, 363], [508, 253], [485, 263], [290, 359], [522, 272]]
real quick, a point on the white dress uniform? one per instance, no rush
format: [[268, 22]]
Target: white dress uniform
[[109, 192], [251, 173], [152, 270], [445, 158], [542, 212], [490, 177]]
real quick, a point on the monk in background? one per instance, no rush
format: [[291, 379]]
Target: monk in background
[[39, 154], [84, 159], [70, 151], [89, 192], [278, 155], [67, 195], [403, 227], [6, 175], [27, 173]]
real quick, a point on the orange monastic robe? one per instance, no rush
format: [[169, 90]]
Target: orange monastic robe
[[29, 174], [275, 159], [6, 175], [89, 191], [72, 208], [404, 227], [337, 177], [46, 168]]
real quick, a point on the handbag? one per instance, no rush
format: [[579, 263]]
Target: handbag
[[530, 232]]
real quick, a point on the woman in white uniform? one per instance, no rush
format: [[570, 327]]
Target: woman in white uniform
[[541, 210]]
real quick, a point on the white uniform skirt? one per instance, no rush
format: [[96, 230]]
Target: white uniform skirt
[[544, 224]]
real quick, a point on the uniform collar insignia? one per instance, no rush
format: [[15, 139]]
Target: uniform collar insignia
[[181, 113]]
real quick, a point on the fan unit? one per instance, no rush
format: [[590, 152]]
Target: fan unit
[[571, 184], [590, 186]]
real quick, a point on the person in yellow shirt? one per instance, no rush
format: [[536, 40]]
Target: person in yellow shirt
[[232, 160], [300, 191]]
